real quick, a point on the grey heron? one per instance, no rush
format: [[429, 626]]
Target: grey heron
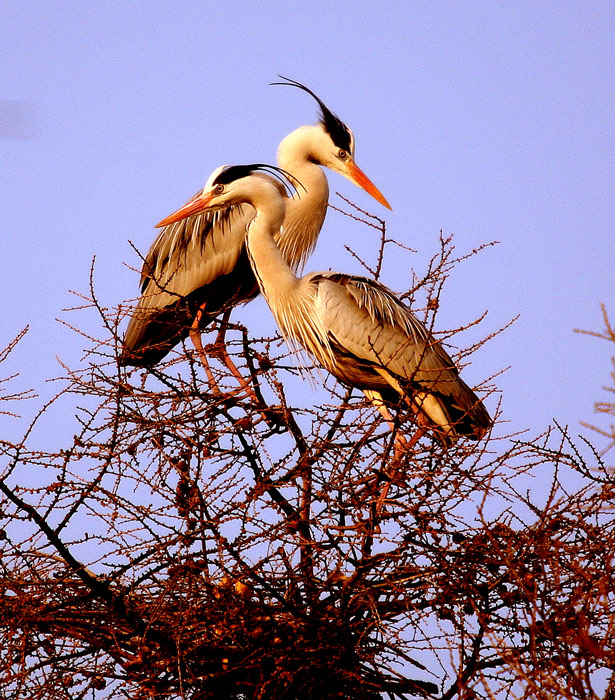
[[197, 268], [354, 327]]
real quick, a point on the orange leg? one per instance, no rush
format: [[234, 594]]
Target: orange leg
[[219, 349], [394, 472], [376, 400], [195, 337], [402, 446]]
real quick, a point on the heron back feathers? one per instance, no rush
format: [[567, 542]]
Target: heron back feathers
[[379, 344]]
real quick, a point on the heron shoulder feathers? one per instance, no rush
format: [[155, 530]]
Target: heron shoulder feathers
[[365, 318], [341, 291], [191, 253]]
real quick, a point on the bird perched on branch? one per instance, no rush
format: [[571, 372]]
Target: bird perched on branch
[[353, 326], [197, 268]]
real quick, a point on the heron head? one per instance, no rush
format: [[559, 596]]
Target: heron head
[[332, 145], [233, 184]]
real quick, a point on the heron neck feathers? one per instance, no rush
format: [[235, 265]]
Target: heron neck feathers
[[290, 299], [306, 211], [270, 267]]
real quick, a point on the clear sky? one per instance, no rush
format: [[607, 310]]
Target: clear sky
[[489, 120]]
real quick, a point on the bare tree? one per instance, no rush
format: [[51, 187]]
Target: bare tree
[[191, 541]]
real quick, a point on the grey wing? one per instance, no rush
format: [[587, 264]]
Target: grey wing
[[199, 260], [365, 320], [192, 253], [370, 329], [188, 260]]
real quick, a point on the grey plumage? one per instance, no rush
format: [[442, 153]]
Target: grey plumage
[[375, 339], [354, 327], [200, 262]]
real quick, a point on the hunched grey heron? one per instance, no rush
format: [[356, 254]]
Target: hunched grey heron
[[355, 327], [198, 268]]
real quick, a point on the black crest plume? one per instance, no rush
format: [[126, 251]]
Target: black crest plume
[[235, 172], [335, 127]]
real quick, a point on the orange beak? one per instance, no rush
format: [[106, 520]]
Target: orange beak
[[195, 206], [356, 175]]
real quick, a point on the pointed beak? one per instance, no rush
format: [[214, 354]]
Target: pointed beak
[[356, 175], [195, 206]]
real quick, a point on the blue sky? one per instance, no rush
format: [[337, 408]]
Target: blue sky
[[488, 120]]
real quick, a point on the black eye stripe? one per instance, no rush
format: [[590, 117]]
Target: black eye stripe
[[236, 172]]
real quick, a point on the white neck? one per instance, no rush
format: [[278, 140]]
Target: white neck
[[289, 298], [305, 212], [275, 277]]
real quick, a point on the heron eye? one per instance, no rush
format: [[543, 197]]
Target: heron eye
[[342, 154], [218, 189]]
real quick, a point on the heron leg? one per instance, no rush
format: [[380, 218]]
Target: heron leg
[[402, 446], [219, 349], [195, 337], [392, 475], [375, 398]]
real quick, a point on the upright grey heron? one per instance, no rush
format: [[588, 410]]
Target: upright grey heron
[[354, 327], [198, 267]]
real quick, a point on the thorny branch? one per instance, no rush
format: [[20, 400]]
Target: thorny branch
[[607, 407]]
